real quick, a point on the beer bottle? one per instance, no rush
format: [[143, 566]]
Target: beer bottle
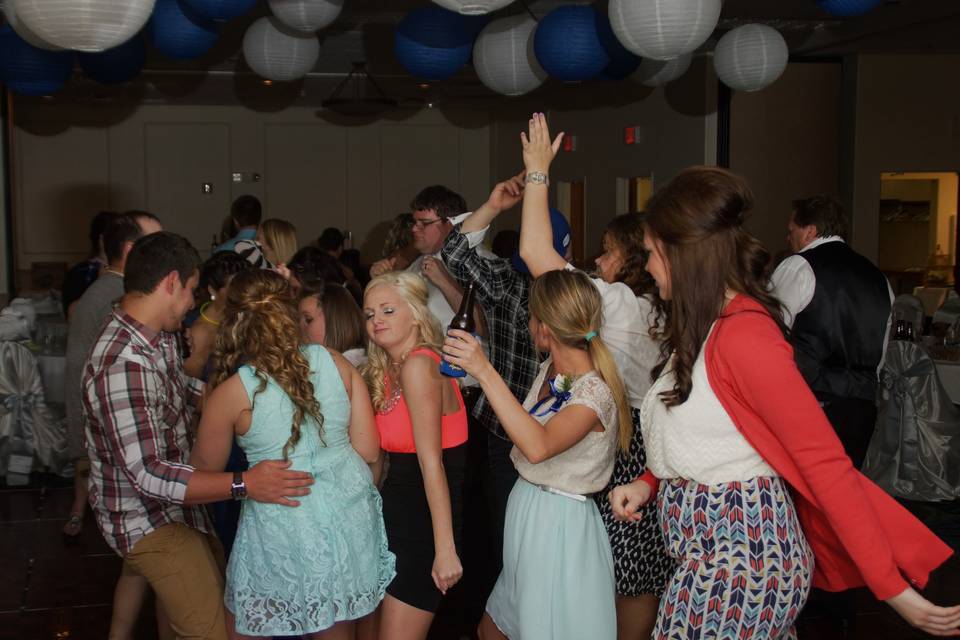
[[463, 321]]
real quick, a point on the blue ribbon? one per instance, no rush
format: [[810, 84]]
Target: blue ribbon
[[558, 396]]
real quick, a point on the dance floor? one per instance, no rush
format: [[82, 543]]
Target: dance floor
[[56, 588]]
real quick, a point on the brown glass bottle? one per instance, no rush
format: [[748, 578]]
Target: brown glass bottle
[[463, 321]]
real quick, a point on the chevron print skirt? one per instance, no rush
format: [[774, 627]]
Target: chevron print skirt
[[743, 565]]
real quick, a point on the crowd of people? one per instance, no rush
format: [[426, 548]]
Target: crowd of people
[[647, 450]]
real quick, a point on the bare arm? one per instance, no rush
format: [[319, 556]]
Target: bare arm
[[536, 234], [363, 427], [220, 415], [423, 391]]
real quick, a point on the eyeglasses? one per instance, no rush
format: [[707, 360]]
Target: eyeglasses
[[423, 224]]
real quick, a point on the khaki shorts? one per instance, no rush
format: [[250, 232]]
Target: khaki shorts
[[185, 568]]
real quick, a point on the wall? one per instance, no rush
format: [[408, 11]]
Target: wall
[[785, 140], [72, 162], [4, 219], [678, 130], [908, 119]]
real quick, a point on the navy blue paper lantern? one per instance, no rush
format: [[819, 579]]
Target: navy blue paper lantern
[[849, 8], [567, 43], [432, 43], [623, 62], [30, 71], [179, 33], [221, 10], [116, 65]]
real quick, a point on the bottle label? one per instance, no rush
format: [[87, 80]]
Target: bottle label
[[452, 370]]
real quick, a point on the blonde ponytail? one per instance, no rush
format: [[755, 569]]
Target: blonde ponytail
[[605, 365]]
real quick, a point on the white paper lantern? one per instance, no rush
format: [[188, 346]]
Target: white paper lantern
[[663, 29], [84, 25], [473, 7], [306, 15], [750, 57], [656, 73], [277, 52], [503, 56]]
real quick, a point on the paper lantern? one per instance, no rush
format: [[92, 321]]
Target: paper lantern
[[473, 7], [30, 71], [117, 65], [503, 56], [750, 57], [306, 15], [567, 44], [221, 10], [663, 29], [432, 43], [656, 73], [84, 25], [277, 52], [179, 32], [23, 30], [849, 8], [622, 61]]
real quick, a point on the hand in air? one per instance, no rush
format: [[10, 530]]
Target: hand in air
[[538, 150]]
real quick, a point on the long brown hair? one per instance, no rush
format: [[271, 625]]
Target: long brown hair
[[260, 328], [697, 218], [342, 315], [626, 232], [571, 306]]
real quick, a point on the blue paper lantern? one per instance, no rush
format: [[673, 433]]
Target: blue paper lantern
[[432, 43], [221, 10], [849, 8], [30, 71], [116, 65], [567, 43], [623, 62], [179, 32]]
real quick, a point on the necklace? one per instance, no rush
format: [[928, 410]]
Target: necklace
[[394, 390], [203, 315], [116, 273]]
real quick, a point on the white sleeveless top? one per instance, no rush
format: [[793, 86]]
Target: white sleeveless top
[[696, 440], [585, 467]]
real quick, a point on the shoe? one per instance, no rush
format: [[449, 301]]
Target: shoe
[[74, 525]]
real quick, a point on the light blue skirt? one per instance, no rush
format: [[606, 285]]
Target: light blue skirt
[[557, 581]]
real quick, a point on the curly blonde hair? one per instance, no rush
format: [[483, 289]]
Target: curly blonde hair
[[570, 305], [260, 328], [412, 289]]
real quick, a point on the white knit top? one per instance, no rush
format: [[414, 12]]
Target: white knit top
[[696, 440], [585, 467]]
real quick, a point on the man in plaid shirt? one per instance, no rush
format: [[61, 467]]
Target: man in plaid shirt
[[502, 290], [137, 402]]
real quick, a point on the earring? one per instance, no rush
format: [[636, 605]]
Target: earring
[[213, 297]]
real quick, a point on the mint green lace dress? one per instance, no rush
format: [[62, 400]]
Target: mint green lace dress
[[299, 570]]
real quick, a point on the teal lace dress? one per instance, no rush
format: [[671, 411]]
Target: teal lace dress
[[299, 570]]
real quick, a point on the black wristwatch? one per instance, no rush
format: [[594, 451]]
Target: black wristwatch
[[238, 488]]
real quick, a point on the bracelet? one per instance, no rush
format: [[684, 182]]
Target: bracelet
[[537, 177], [650, 480]]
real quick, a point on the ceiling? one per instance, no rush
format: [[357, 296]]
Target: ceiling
[[364, 33]]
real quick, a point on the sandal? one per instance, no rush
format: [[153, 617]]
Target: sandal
[[74, 525]]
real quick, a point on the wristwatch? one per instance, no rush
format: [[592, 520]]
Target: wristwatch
[[537, 177], [238, 488]]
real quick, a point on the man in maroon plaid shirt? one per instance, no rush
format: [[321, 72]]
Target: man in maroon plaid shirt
[[137, 403]]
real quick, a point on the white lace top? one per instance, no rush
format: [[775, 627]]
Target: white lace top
[[696, 440], [585, 467]]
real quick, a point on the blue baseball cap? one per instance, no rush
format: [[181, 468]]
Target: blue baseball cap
[[561, 240]]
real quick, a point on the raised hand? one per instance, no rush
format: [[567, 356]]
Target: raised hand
[[538, 150], [436, 272], [507, 193]]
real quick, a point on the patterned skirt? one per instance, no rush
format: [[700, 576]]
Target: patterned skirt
[[744, 566], [640, 561]]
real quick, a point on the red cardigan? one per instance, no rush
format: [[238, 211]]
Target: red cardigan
[[859, 534]]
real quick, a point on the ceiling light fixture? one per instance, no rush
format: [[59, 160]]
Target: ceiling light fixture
[[352, 97]]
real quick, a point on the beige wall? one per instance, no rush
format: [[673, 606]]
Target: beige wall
[[785, 140], [71, 162], [907, 120], [678, 123]]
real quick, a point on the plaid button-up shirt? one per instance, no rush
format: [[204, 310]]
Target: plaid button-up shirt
[[503, 294], [137, 402]]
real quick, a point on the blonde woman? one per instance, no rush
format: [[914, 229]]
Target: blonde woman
[[557, 580], [278, 238], [423, 425], [313, 569]]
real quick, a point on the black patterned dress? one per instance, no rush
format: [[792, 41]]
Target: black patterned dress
[[640, 559]]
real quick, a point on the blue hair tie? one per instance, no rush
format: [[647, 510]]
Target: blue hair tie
[[590, 336]]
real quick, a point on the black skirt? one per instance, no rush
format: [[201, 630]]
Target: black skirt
[[409, 525]]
